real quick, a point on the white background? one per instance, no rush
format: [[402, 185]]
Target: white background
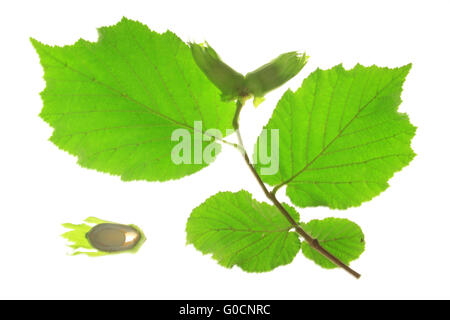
[[407, 227]]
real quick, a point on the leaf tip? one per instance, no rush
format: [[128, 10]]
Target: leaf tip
[[35, 43]]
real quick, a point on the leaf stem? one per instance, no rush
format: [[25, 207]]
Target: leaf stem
[[314, 243]]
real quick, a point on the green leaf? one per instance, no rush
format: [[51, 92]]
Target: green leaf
[[80, 243], [115, 103], [341, 136], [239, 230], [341, 237]]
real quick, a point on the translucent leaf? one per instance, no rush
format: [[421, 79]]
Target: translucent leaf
[[341, 237], [341, 137], [115, 103], [239, 230]]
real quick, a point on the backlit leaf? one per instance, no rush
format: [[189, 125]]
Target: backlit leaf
[[239, 230], [341, 137], [341, 237], [115, 103]]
